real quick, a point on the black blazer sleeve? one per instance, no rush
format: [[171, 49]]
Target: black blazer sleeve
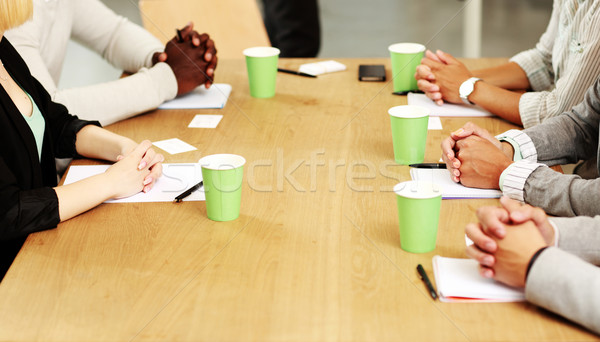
[[28, 202]]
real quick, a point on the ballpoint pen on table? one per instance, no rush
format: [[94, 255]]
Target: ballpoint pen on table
[[188, 192], [429, 165], [425, 279], [293, 72]]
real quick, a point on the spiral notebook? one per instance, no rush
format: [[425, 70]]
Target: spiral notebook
[[450, 189], [458, 280]]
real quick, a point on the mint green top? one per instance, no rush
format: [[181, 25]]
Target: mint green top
[[37, 124]]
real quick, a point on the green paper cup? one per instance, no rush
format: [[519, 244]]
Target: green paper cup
[[409, 133], [261, 63], [222, 175], [405, 58], [418, 215]]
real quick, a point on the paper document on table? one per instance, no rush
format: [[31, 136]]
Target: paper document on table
[[176, 179], [434, 123], [447, 109], [450, 189], [323, 67], [458, 280], [214, 97]]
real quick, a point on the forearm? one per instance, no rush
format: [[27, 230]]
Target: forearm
[[81, 196], [110, 102], [566, 285], [562, 194], [501, 102], [579, 236], [506, 76], [98, 143]]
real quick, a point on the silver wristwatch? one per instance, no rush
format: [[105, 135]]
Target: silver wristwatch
[[466, 88]]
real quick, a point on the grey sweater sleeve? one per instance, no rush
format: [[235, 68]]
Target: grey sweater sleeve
[[564, 280], [567, 138]]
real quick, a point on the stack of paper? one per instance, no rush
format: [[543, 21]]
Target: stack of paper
[[201, 98], [458, 280], [176, 179], [450, 189], [447, 109]]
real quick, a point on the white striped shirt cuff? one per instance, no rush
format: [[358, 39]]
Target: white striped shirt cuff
[[526, 146], [535, 68], [514, 178]]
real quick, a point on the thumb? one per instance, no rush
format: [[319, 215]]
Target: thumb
[[189, 27], [432, 56], [514, 208], [446, 58], [141, 149]]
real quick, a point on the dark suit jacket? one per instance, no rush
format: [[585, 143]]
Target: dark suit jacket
[[28, 202]]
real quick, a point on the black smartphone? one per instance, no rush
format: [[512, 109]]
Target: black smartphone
[[372, 73]]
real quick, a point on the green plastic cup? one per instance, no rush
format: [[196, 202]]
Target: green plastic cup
[[222, 175], [418, 215], [409, 133], [405, 59], [261, 63]]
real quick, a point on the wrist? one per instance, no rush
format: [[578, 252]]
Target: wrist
[[507, 149], [467, 88], [127, 145]]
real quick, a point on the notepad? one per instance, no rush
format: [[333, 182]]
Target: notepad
[[458, 280], [447, 109], [176, 178], [214, 97], [322, 67], [450, 189]]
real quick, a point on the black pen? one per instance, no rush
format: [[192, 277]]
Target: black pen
[[179, 37], [188, 192], [429, 165], [425, 279], [407, 91], [295, 72]]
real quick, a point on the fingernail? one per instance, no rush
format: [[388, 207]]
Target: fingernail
[[456, 173], [489, 246], [147, 180], [487, 274], [456, 164], [488, 261], [147, 188], [458, 132], [209, 56], [142, 165]]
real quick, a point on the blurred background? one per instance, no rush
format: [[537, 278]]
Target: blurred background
[[358, 28]]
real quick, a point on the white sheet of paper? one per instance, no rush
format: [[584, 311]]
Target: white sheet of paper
[[450, 189], [458, 280], [447, 109], [205, 121], [176, 179], [435, 123], [323, 67], [214, 97], [174, 146]]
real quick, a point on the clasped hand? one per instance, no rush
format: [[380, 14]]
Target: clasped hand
[[506, 238], [135, 171], [474, 157], [440, 75], [193, 59]]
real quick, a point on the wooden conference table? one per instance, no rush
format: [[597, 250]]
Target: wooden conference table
[[314, 256]]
